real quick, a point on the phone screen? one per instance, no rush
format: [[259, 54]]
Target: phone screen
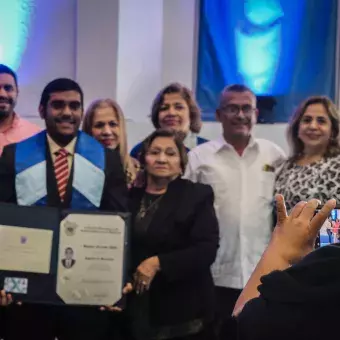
[[330, 230]]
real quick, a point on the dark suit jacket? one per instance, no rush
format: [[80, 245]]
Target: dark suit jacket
[[184, 235], [114, 194]]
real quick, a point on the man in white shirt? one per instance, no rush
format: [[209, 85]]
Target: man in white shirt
[[240, 169]]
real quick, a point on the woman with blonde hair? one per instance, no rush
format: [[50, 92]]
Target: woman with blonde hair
[[104, 120], [313, 169]]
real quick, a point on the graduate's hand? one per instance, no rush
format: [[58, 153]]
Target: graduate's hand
[[7, 299], [126, 290], [110, 308]]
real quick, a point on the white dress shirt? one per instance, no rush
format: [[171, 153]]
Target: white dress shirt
[[243, 188]]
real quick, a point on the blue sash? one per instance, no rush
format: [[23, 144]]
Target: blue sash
[[88, 172]]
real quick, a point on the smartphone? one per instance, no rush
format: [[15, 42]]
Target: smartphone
[[330, 230]]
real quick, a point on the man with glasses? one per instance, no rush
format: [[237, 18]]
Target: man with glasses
[[12, 127], [241, 170], [65, 168]]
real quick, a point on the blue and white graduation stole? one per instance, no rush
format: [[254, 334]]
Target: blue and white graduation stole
[[88, 172]]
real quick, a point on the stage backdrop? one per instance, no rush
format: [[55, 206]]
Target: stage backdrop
[[283, 50]]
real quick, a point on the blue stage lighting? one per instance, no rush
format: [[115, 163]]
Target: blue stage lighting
[[14, 30]]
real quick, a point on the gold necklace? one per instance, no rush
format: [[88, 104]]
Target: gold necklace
[[143, 210]]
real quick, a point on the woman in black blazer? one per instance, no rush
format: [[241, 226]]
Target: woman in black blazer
[[174, 242]]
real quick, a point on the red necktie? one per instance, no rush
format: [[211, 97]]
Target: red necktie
[[61, 172]]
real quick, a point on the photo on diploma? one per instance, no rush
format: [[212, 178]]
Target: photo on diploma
[[69, 258]]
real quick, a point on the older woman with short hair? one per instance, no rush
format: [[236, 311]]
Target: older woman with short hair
[[174, 243]]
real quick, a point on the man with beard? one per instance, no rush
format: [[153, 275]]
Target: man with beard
[[13, 129], [241, 171], [65, 168]]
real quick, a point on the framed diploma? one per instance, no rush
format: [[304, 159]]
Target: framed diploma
[[68, 257], [92, 258]]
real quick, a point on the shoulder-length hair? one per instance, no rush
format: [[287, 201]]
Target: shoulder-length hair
[[164, 133], [294, 141], [187, 95], [122, 147]]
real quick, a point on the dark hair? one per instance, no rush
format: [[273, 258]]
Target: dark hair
[[60, 85], [239, 88], [69, 249], [187, 95], [164, 133], [294, 141], [6, 70]]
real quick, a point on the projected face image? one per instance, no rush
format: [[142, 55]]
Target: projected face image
[[258, 37], [16, 22]]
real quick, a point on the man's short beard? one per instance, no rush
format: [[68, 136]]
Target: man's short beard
[[5, 114]]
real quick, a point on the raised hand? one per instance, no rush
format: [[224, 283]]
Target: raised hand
[[294, 235]]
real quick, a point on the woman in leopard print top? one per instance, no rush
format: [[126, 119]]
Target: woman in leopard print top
[[313, 170]]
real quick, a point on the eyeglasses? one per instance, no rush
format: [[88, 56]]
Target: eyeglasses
[[233, 109], [74, 105]]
